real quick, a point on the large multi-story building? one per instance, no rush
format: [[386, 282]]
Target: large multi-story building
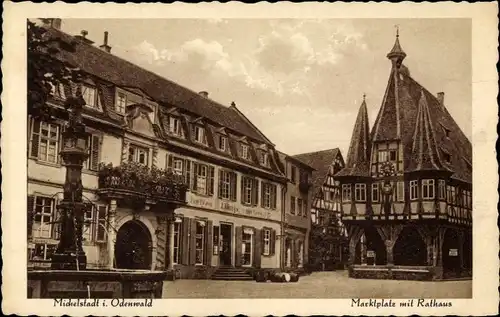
[[328, 236], [139, 122], [297, 200], [407, 186]]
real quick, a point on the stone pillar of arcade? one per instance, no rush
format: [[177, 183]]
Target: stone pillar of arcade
[[171, 232], [111, 228]]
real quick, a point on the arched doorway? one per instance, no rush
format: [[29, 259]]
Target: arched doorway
[[133, 246], [370, 248], [410, 248]]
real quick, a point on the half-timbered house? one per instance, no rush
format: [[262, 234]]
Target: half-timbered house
[[327, 241], [407, 185]]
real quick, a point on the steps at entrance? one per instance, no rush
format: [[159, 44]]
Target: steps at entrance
[[230, 273]]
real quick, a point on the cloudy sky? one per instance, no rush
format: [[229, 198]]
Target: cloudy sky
[[300, 81]]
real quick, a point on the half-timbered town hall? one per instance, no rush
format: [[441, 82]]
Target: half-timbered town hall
[[407, 185]]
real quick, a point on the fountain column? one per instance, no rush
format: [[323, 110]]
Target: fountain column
[[111, 228], [69, 254]]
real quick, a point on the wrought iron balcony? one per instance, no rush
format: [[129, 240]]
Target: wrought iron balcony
[[133, 180]]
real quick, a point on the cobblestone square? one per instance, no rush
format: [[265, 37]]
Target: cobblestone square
[[318, 285]]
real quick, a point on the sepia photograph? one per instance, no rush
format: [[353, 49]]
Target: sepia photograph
[[249, 158], [273, 159]]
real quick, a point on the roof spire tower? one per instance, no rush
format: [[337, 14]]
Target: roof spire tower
[[396, 55]]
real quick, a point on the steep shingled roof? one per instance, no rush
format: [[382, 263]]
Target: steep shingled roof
[[120, 72], [358, 157], [448, 146], [321, 162], [430, 137], [424, 151]]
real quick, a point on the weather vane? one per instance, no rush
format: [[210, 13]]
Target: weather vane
[[397, 29]]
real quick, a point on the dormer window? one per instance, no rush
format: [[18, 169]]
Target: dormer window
[[244, 151], [57, 91], [222, 142], [174, 126], [121, 102], [89, 94], [199, 134], [263, 158], [446, 156]]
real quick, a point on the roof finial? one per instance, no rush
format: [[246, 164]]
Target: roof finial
[[364, 96], [396, 54]]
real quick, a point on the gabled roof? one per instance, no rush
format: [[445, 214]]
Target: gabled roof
[[321, 162], [120, 72], [358, 157]]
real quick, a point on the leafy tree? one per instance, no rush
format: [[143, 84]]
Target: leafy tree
[[45, 69], [322, 240]]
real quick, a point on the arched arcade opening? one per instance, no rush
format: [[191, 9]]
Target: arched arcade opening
[[410, 248]]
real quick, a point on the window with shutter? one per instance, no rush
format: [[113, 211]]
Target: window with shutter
[[247, 190], [93, 144], [227, 185], [30, 214], [43, 217], [255, 194], [187, 173], [274, 197], [211, 181], [45, 141], [170, 162], [201, 179], [35, 138], [233, 186], [273, 242]]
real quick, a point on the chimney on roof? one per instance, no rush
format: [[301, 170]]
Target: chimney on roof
[[440, 98], [105, 46], [204, 94], [83, 37]]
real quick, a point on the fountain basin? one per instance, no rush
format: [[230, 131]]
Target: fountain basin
[[95, 284]]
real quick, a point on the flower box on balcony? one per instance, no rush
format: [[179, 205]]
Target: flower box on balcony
[[134, 179]]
